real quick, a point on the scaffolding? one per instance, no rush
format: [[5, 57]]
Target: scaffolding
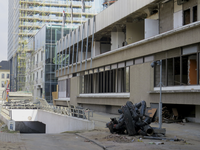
[[32, 15]]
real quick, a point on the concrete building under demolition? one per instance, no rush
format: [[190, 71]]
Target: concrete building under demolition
[[114, 52], [26, 17]]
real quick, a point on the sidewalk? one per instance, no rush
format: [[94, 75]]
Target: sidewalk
[[187, 130], [10, 137]]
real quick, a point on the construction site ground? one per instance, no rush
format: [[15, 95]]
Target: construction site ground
[[100, 138]]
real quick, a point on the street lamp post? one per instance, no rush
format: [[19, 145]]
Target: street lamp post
[[160, 103]]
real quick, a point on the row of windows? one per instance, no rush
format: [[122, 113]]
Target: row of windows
[[111, 81], [41, 75], [182, 70], [3, 76], [42, 53]]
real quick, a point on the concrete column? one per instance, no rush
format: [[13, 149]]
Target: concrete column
[[197, 113], [117, 39], [96, 48], [198, 10], [79, 56]]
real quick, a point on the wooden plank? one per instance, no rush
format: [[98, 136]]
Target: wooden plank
[[151, 112], [55, 96], [175, 112]]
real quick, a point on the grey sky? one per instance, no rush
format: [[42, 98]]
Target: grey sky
[[3, 29]]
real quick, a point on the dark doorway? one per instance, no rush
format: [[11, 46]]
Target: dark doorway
[[30, 127]]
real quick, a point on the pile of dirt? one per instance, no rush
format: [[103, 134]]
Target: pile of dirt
[[119, 138]]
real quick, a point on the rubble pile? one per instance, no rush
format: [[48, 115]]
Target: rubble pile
[[170, 115], [119, 139], [132, 121]]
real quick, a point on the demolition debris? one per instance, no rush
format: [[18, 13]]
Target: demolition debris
[[132, 121]]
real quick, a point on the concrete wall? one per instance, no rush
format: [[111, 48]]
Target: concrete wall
[[96, 48], [117, 39], [151, 27], [141, 82], [134, 32], [166, 16], [55, 123], [197, 113], [24, 115], [178, 15], [103, 108], [103, 101], [74, 90]]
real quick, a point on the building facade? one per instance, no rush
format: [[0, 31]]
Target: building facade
[[4, 75], [41, 64], [115, 56], [26, 17]]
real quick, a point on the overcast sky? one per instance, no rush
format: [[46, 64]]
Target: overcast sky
[[3, 29]]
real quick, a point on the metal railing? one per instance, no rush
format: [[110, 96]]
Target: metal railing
[[42, 104]]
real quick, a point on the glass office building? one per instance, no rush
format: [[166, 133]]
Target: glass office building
[[26, 18], [40, 64]]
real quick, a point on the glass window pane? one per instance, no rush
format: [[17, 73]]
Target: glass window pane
[[170, 75], [190, 49], [127, 79], [138, 60], [177, 71]]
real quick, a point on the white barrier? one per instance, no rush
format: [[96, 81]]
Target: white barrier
[[55, 123]]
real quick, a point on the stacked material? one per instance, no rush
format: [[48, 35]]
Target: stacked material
[[170, 115], [133, 120], [19, 96]]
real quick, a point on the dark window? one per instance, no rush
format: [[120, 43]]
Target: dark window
[[8, 76], [194, 13], [170, 72], [2, 76], [190, 15], [110, 81], [186, 16], [68, 88], [178, 71]]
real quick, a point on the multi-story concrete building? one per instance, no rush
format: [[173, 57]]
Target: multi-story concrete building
[[26, 17], [4, 75], [117, 47]]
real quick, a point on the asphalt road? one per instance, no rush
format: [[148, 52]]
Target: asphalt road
[[63, 141]]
